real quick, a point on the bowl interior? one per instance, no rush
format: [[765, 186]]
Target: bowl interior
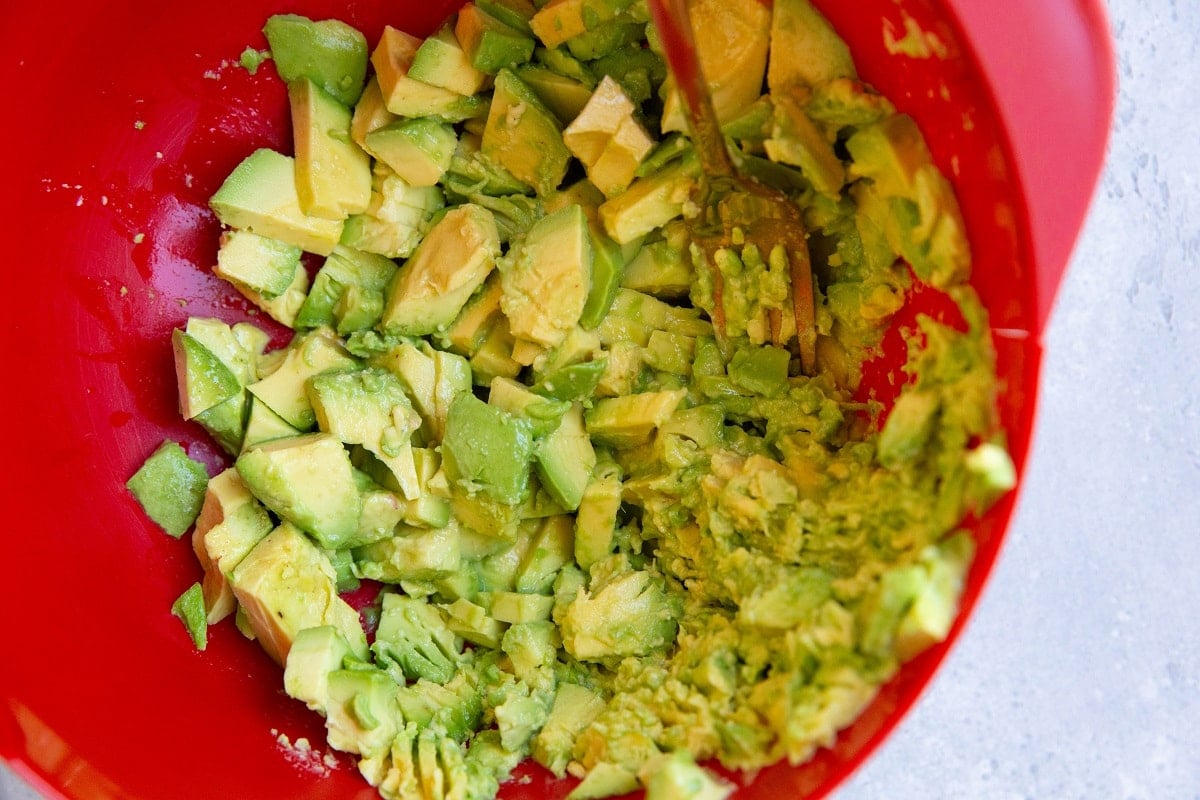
[[130, 116]]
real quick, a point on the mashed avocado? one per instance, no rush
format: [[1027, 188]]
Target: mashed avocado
[[623, 541]]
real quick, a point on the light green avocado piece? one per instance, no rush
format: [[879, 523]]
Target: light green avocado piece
[[604, 780], [630, 420], [454, 709], [308, 354], [345, 269], [549, 549], [489, 43], [796, 140], [543, 414], [677, 776], [547, 277], [308, 480], [230, 524], [398, 217], [286, 584], [263, 424], [596, 517], [565, 96], [418, 150], [412, 640], [189, 608], [487, 450], [411, 554], [330, 53], [170, 488], [565, 458], [404, 95], [370, 407], [450, 264], [631, 613], [239, 347], [804, 47], [513, 13], [260, 196], [257, 263], [574, 709], [650, 202], [441, 61], [202, 378], [369, 113], [333, 174], [560, 20], [361, 715], [934, 609], [608, 268], [524, 136], [315, 654], [908, 427]]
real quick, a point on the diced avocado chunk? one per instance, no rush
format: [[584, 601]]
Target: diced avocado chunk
[[406, 96], [565, 459], [676, 775], [487, 450], [170, 487], [630, 614], [263, 424], [524, 136], [441, 61], [411, 554], [333, 174], [346, 272], [543, 414], [450, 264], [361, 715], [796, 140], [307, 480], [596, 519], [370, 113], [397, 218], [203, 379], [604, 780], [650, 202], [412, 639], [260, 196], [804, 47], [330, 53], [490, 43], [307, 355], [418, 150], [189, 608], [262, 265], [563, 95], [608, 139], [230, 524], [315, 654], [574, 709], [286, 584], [630, 420], [560, 20], [909, 425], [546, 278]]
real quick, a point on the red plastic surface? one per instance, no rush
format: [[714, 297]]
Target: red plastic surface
[[123, 117]]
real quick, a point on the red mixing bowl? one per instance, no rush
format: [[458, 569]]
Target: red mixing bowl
[[124, 116]]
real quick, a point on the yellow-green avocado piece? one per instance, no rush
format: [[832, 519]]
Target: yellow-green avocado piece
[[524, 136], [333, 174]]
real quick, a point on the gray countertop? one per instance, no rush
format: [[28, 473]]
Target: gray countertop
[[1079, 674]]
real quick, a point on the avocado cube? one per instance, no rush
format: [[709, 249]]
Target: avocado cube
[[418, 150], [263, 424], [370, 113], [631, 614], [650, 202], [513, 13], [676, 774], [308, 354], [344, 269], [663, 268], [575, 708], [908, 427], [547, 277], [412, 640], [203, 379], [411, 554], [189, 608], [286, 584], [487, 449], [441, 61], [524, 136], [630, 420], [398, 217], [260, 196], [796, 140], [362, 715], [490, 44], [550, 548], [596, 518], [262, 265], [170, 488], [565, 459], [471, 622], [231, 523], [333, 174], [330, 53], [607, 138], [284, 307], [406, 96], [451, 262], [560, 20], [565, 96], [307, 480], [315, 654], [805, 49]]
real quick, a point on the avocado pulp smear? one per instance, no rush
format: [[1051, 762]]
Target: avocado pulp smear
[[602, 537]]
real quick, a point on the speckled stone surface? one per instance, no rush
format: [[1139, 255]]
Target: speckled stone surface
[[1078, 677]]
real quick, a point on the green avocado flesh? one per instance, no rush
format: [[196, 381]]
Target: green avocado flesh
[[593, 528]]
